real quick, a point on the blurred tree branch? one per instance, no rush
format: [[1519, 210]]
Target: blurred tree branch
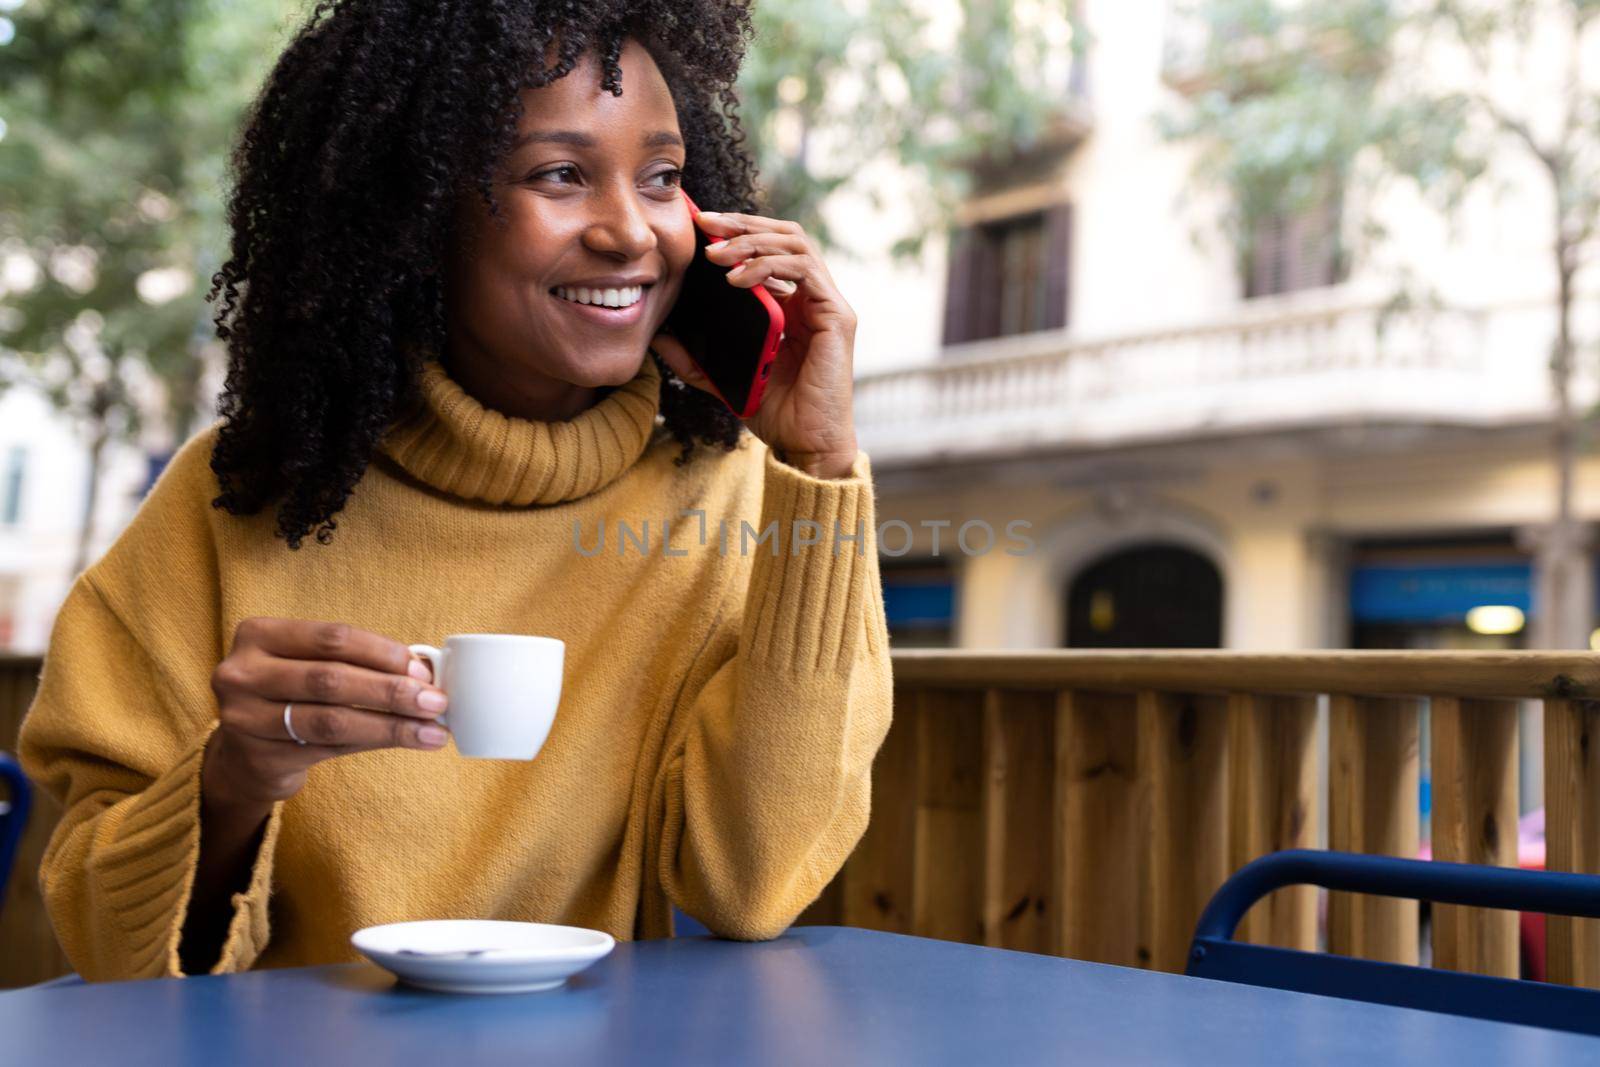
[[119, 115], [831, 87]]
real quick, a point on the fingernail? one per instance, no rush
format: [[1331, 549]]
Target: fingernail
[[711, 214], [432, 736], [432, 700], [419, 670], [715, 244]]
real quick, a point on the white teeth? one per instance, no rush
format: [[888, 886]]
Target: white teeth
[[612, 298]]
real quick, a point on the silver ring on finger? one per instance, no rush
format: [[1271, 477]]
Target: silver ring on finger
[[288, 723]]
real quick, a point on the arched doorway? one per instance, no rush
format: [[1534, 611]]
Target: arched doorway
[[1146, 596]]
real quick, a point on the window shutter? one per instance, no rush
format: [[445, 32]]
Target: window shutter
[[1266, 257], [1010, 276], [984, 319], [1322, 245], [958, 296], [1058, 266], [1293, 252]]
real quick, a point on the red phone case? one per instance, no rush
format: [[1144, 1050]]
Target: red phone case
[[769, 349]]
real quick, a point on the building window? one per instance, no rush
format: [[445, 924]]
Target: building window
[[1290, 251], [1009, 276], [11, 489]]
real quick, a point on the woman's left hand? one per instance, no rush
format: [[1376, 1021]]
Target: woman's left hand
[[805, 413]]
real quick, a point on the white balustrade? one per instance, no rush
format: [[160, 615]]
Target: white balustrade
[[1263, 368]]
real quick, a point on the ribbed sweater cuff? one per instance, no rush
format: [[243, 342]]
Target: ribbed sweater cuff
[[146, 876], [808, 597]]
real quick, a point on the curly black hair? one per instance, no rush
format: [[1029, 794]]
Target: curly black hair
[[350, 161]]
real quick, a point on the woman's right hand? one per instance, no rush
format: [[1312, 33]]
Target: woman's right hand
[[352, 690]]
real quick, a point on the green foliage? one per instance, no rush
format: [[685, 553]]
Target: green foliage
[[829, 88], [119, 115], [1286, 100], [1286, 97]]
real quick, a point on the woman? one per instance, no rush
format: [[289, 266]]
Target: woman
[[247, 755]]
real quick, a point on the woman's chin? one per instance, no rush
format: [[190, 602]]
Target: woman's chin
[[610, 369]]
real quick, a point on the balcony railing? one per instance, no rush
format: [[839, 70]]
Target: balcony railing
[[1088, 803], [1272, 366]]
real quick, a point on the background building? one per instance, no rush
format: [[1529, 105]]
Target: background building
[[1256, 456], [43, 487]]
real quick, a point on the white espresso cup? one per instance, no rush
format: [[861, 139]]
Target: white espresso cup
[[503, 691]]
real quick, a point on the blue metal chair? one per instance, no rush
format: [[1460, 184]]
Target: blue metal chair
[[1214, 953], [686, 925], [13, 817]]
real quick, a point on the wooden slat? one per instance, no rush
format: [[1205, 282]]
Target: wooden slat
[[827, 909], [1491, 675], [1572, 831], [1272, 779], [1018, 820], [1183, 744], [1372, 797], [1475, 821], [1099, 829], [876, 882], [947, 886]]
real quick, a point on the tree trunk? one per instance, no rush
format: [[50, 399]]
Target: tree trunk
[[98, 436], [183, 390], [1565, 586]]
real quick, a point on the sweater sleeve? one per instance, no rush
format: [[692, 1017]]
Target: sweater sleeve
[[116, 733], [106, 739], [768, 768]]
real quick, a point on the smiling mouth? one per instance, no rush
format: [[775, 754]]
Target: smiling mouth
[[619, 299]]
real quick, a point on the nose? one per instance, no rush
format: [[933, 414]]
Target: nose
[[619, 226]]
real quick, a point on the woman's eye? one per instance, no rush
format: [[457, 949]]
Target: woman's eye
[[675, 176], [554, 171]]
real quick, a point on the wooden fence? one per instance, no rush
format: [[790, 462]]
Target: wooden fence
[[1088, 803]]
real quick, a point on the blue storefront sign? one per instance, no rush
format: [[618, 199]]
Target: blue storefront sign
[[919, 603], [1436, 593]]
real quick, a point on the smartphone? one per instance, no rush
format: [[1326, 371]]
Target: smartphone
[[731, 333]]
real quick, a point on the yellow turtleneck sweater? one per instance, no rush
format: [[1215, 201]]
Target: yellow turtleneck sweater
[[719, 716]]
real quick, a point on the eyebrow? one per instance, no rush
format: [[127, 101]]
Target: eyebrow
[[582, 140]]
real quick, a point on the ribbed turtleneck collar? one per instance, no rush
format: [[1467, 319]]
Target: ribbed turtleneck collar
[[457, 445]]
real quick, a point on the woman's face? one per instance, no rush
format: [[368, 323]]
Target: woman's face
[[589, 200]]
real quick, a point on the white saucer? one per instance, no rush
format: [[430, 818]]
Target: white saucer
[[521, 957]]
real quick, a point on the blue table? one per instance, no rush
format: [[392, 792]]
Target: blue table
[[820, 995]]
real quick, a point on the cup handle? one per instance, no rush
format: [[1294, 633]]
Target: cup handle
[[435, 659]]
